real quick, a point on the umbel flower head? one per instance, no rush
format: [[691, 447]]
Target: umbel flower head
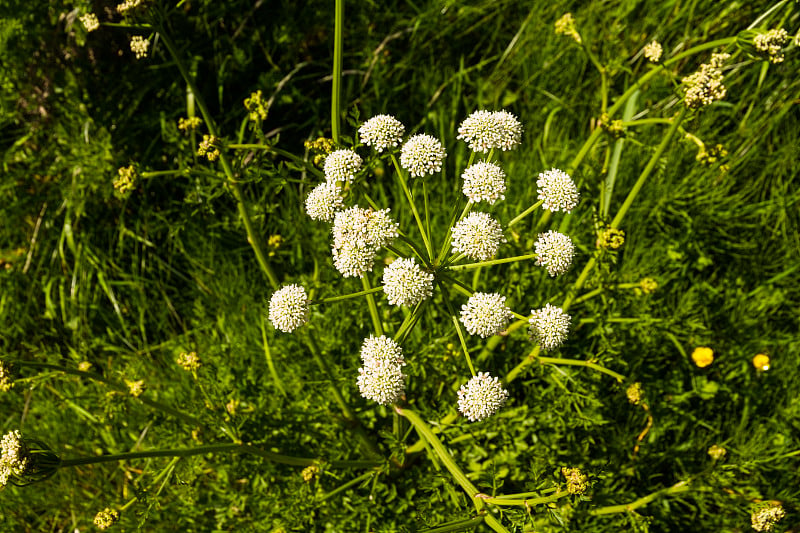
[[557, 191], [382, 132], [770, 43], [6, 380], [484, 181], [381, 349], [288, 308], [139, 46], [705, 86], [485, 314], [549, 326], [478, 236], [485, 130], [13, 457], [481, 397], [342, 165], [652, 51], [106, 518], [766, 515], [90, 21], [422, 155], [25, 461], [323, 202], [381, 381], [357, 235], [554, 251], [405, 283]]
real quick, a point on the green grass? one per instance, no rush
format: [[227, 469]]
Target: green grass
[[128, 283]]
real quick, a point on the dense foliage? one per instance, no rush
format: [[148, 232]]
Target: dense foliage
[[103, 286]]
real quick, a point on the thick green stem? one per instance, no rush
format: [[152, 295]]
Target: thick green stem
[[346, 486], [457, 325], [365, 292], [504, 500], [575, 362], [678, 488], [336, 90], [470, 266], [401, 178], [443, 455], [373, 307], [214, 448], [525, 213], [244, 214], [466, 524], [648, 169]]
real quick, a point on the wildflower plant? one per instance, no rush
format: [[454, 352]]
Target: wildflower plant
[[438, 305]]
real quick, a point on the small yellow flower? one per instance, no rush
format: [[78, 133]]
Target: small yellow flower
[[635, 393], [106, 518], [310, 473], [136, 388], [761, 362], [577, 482], [717, 452], [566, 26], [188, 361], [187, 124], [84, 366], [703, 356]]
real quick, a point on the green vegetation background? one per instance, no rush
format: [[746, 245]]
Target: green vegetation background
[[129, 284]]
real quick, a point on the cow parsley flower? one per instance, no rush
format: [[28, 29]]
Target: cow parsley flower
[[554, 251], [139, 46], [766, 515], [557, 191], [382, 132], [13, 457], [477, 236], [324, 201], [549, 326], [485, 130], [405, 283], [89, 21], [381, 349], [770, 43], [358, 233], [485, 314], [342, 165], [422, 155], [381, 381], [288, 308], [705, 86], [484, 181], [481, 397], [652, 51]]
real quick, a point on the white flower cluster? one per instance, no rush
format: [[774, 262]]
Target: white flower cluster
[[481, 397], [549, 326], [770, 43], [652, 51], [139, 46], [705, 86], [484, 181], [477, 236], [358, 233], [288, 308], [554, 251], [324, 201], [381, 382], [485, 130], [90, 21], [422, 155], [405, 283], [381, 349], [485, 314], [341, 165], [12, 457], [557, 191], [382, 132], [381, 378]]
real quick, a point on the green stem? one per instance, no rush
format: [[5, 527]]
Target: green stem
[[120, 387], [525, 213], [214, 448], [373, 307], [457, 325], [336, 90], [576, 362], [244, 214], [443, 455], [368, 446], [457, 525], [448, 238], [410, 199], [470, 266], [346, 486], [288, 155], [502, 500], [678, 488], [366, 291], [408, 323], [276, 378], [648, 169]]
